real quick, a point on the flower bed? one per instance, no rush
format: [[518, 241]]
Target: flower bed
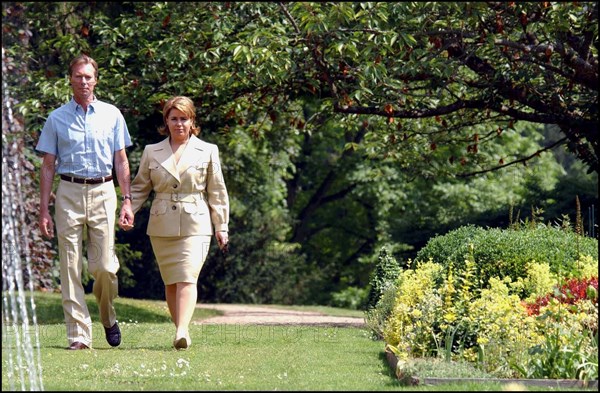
[[408, 378]]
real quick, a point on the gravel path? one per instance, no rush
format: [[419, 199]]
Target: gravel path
[[259, 315]]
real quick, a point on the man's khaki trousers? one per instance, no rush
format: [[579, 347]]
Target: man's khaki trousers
[[86, 209]]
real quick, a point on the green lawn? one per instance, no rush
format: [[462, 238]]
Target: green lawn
[[222, 357]]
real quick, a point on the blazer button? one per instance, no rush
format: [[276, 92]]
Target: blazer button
[[174, 207]]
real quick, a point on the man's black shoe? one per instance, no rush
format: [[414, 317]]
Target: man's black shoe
[[113, 335]]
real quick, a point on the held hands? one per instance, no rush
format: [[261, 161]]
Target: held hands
[[126, 217]]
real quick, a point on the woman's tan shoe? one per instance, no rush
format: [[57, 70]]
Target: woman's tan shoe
[[182, 342]]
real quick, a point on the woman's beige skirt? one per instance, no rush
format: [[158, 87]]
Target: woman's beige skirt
[[180, 258]]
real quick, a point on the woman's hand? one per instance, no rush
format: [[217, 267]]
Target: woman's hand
[[222, 240], [126, 218]]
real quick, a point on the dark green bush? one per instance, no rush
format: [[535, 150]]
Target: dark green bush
[[506, 252], [382, 292], [385, 274]]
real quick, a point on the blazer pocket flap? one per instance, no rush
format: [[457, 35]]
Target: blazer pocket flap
[[193, 208], [158, 207]]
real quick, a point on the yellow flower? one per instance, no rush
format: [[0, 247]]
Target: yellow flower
[[449, 317]]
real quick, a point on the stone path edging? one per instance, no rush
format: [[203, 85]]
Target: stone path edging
[[508, 383]]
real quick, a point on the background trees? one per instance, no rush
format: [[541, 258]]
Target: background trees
[[343, 126]]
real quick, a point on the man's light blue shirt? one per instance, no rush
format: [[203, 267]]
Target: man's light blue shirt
[[84, 143]]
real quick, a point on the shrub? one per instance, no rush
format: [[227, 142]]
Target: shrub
[[539, 281], [384, 275], [416, 311], [376, 317], [570, 346], [503, 325], [351, 297], [571, 292], [507, 252], [382, 291]]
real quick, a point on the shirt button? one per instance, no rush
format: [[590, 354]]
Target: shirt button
[[174, 207]]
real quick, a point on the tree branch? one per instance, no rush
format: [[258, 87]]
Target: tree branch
[[522, 159], [289, 17]]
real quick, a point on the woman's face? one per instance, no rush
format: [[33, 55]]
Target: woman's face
[[179, 125]]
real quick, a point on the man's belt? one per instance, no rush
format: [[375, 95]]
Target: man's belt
[[96, 180]]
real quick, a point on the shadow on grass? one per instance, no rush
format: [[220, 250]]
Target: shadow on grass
[[386, 366], [49, 309]]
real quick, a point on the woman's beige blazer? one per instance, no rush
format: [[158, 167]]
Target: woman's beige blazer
[[190, 198]]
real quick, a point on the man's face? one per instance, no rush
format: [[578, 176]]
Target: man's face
[[83, 81]]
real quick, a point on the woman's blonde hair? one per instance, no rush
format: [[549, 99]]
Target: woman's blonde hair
[[183, 104]]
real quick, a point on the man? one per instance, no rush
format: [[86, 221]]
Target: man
[[81, 142]]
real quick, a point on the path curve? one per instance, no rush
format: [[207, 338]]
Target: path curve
[[259, 315]]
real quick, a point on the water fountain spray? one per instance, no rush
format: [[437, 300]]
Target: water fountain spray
[[20, 333]]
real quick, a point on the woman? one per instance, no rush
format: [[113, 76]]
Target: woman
[[190, 198]]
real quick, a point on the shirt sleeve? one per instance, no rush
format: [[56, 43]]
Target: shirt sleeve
[[121, 132], [48, 140]]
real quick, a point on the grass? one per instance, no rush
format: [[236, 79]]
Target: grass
[[222, 357]]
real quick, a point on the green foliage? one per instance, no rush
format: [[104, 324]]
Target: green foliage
[[506, 252], [353, 298], [502, 327], [553, 359], [440, 311], [125, 253], [263, 265], [417, 310], [539, 281], [341, 125], [572, 291], [376, 317], [570, 346], [385, 275]]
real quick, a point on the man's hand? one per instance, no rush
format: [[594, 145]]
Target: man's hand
[[126, 217], [46, 225]]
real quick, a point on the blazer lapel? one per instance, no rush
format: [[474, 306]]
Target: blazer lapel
[[164, 156], [191, 155]]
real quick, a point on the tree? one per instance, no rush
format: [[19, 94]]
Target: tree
[[460, 64], [450, 65], [327, 110]]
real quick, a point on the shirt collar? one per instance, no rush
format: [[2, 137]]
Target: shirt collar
[[75, 105]]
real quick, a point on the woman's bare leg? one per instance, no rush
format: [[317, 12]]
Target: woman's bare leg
[[186, 296], [171, 295]]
